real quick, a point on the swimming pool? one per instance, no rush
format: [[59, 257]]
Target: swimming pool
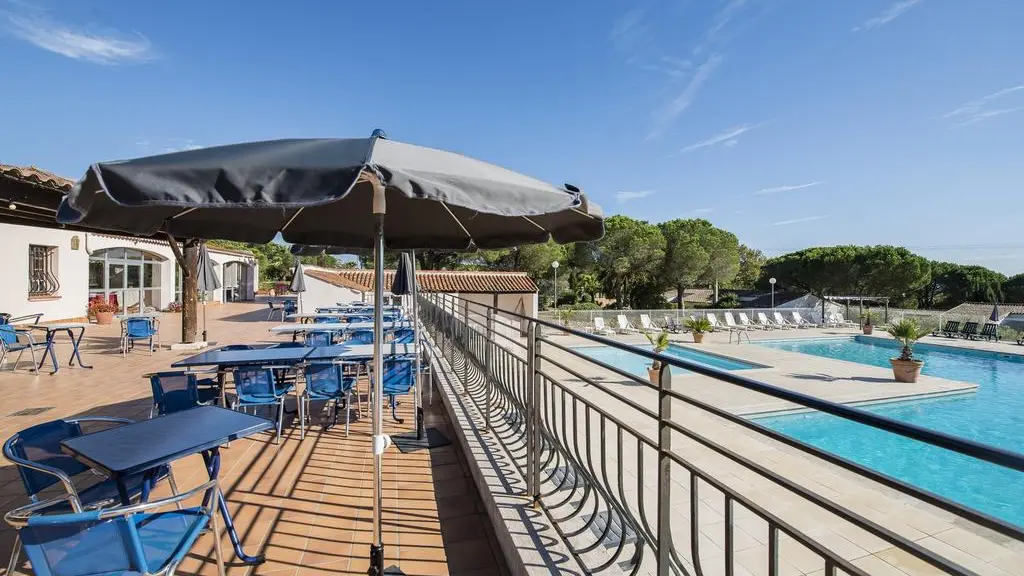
[[637, 365], [993, 415]]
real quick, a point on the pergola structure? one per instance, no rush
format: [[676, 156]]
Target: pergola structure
[[860, 299]]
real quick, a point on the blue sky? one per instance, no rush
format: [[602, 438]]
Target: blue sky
[[789, 122]]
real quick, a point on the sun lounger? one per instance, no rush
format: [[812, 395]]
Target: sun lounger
[[970, 330], [731, 324], [672, 325], [762, 320], [842, 322], [745, 321], [715, 324], [799, 321], [950, 327], [624, 326], [990, 331], [600, 328], [647, 325], [782, 321]]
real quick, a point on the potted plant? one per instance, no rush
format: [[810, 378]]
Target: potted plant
[[906, 368], [660, 342], [565, 316], [103, 311], [868, 327], [698, 326]]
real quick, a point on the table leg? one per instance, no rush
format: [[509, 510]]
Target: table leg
[[49, 350], [122, 491], [212, 459], [222, 384], [75, 353]]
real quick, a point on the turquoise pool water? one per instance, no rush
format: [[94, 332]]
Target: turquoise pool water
[[638, 364], [993, 415]]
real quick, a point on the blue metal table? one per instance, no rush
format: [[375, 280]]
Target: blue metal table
[[268, 354], [143, 446], [68, 328]]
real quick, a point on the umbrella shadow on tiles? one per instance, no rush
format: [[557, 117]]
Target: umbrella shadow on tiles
[[822, 377]]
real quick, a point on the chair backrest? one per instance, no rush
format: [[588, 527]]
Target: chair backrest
[[318, 338], [82, 544], [41, 444], [778, 318], [354, 319], [404, 336], [729, 320], [621, 319], [322, 319], [743, 318], [8, 334], [390, 317], [327, 379], [988, 329], [361, 337], [399, 376], [255, 383], [711, 318], [139, 327], [290, 306], [174, 391], [796, 317], [971, 327], [763, 318], [599, 322], [645, 321], [230, 347]]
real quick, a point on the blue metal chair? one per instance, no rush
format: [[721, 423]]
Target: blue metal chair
[[290, 307], [177, 391], [399, 379], [137, 329], [361, 337], [404, 336], [261, 386], [231, 347], [128, 540], [354, 319], [13, 339], [323, 319], [319, 338], [287, 345], [327, 381]]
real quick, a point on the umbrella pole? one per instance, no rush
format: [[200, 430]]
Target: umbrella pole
[[416, 350], [204, 316], [379, 440]]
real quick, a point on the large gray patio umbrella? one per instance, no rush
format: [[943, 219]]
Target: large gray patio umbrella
[[207, 280], [334, 192], [995, 316], [298, 284]]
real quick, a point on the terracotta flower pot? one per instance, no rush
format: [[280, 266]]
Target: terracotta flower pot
[[868, 329], [653, 374], [698, 337], [104, 318], [906, 370]]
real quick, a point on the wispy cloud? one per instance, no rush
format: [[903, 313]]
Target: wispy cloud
[[628, 30], [977, 110], [799, 220], [665, 116], [166, 145], [630, 195], [778, 189], [702, 210], [727, 138], [719, 23], [80, 44], [888, 15]]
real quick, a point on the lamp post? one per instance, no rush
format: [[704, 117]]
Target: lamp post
[[772, 282], [554, 288]]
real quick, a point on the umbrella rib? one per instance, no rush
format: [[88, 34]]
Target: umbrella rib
[[294, 216], [183, 212], [580, 212], [457, 221], [534, 223]]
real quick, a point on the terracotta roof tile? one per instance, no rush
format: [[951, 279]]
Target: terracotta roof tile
[[37, 176], [465, 282]]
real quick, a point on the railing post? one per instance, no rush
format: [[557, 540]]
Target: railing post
[[465, 347], [533, 417], [488, 362], [531, 363], [664, 471]]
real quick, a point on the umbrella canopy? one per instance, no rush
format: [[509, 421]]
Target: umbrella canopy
[[405, 276], [995, 316], [319, 191], [298, 278], [207, 280]]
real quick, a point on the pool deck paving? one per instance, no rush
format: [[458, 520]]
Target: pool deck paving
[[974, 547]]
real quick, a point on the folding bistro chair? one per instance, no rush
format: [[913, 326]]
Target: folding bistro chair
[[319, 338], [13, 339], [399, 379], [177, 391], [326, 381], [133, 539], [404, 336], [361, 337], [137, 329]]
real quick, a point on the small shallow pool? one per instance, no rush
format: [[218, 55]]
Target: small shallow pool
[[992, 415], [637, 365]]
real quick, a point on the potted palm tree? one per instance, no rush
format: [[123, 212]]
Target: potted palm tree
[[906, 368], [660, 342], [868, 327], [698, 326]]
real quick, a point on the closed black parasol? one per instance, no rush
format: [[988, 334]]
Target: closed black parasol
[[334, 192], [207, 281]]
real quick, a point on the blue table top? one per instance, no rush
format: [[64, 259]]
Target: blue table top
[[265, 355], [358, 351], [134, 448]]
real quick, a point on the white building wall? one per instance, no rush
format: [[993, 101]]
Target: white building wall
[[72, 270], [320, 294]]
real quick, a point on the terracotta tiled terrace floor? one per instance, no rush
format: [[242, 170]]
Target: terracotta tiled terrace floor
[[306, 504]]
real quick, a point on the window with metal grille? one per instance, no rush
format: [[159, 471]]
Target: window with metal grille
[[42, 271]]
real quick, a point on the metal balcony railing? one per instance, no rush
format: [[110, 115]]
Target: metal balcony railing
[[625, 481]]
